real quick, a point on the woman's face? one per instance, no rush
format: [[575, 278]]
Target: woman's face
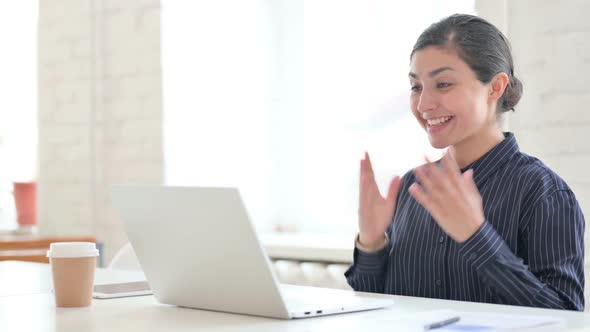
[[447, 99]]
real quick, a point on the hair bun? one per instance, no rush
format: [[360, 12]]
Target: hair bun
[[512, 94]]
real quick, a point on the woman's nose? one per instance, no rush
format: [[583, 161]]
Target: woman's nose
[[427, 101]]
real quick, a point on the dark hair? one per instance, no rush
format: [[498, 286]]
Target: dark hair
[[481, 45]]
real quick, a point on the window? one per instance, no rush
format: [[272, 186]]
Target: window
[[18, 103], [281, 98]]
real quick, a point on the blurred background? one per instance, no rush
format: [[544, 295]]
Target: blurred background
[[277, 97]]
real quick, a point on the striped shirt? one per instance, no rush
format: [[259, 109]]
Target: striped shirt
[[529, 250]]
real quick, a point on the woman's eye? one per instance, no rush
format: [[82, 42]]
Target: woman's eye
[[416, 88], [443, 85]]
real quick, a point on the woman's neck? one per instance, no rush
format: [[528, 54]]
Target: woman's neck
[[474, 147]]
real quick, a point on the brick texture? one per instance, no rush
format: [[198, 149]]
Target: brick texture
[[100, 111]]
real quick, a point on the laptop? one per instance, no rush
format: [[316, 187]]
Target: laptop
[[198, 249]]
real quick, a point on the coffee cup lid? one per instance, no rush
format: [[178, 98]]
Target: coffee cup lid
[[72, 249]]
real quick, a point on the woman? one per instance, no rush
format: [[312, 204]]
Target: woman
[[486, 223]]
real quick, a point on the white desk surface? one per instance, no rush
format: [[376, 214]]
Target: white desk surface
[[26, 304]]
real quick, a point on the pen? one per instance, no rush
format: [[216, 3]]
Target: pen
[[441, 323]]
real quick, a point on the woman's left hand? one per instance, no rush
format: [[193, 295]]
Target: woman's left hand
[[451, 198]]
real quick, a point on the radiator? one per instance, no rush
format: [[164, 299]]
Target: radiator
[[316, 274]]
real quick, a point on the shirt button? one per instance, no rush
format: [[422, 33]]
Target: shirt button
[[473, 256], [438, 282], [441, 239]]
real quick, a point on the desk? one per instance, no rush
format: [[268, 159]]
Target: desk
[[33, 309], [21, 278], [32, 248]]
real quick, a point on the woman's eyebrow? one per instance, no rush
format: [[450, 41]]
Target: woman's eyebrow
[[432, 73]]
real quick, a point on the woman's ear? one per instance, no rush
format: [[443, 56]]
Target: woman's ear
[[497, 87]]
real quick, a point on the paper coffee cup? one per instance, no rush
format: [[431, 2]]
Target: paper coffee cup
[[72, 268]]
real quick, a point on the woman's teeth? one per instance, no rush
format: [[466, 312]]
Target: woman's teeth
[[438, 121]]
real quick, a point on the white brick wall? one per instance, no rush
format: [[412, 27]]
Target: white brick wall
[[100, 111]]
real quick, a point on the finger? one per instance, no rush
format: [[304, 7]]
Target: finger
[[368, 163], [417, 191], [453, 162], [361, 175], [443, 187], [433, 169], [362, 170], [367, 169], [434, 181], [421, 173], [393, 190], [364, 181], [469, 182], [367, 186], [451, 169], [424, 179]]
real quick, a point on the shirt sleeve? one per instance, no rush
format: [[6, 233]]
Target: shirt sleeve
[[554, 239], [368, 270]]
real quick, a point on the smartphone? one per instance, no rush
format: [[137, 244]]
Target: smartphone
[[125, 289]]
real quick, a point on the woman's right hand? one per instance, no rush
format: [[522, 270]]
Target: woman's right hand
[[375, 211]]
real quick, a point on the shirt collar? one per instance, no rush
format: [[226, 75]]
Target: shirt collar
[[494, 159]]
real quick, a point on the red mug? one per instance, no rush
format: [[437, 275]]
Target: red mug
[[25, 201]]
